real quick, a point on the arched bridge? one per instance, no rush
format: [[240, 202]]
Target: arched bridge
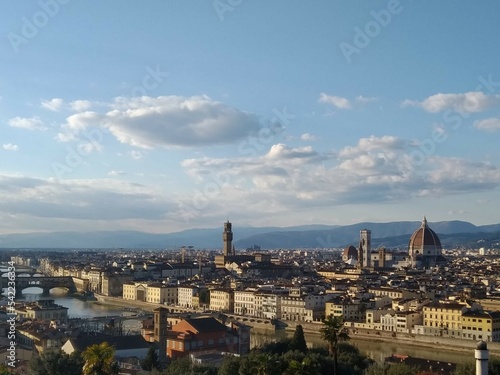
[[44, 282]]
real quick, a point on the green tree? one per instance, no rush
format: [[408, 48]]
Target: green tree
[[350, 359], [204, 297], [391, 369], [279, 347], [56, 364], [181, 366], [307, 366], [470, 367], [150, 361], [230, 365], [494, 366], [332, 332], [465, 368], [4, 370], [99, 360], [261, 364], [298, 341]]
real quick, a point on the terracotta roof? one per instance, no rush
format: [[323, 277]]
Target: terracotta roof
[[118, 342], [424, 236], [206, 325]]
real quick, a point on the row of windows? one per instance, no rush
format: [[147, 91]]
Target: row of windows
[[442, 317], [244, 298]]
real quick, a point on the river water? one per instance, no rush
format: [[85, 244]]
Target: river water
[[375, 350], [83, 309]]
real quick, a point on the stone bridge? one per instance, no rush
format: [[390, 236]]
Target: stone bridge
[[44, 282]]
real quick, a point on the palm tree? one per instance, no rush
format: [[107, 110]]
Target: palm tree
[[333, 331], [100, 360]]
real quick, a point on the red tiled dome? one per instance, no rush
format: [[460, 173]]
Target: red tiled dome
[[350, 252], [424, 241]]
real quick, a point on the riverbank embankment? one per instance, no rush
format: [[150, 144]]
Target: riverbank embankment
[[433, 342], [257, 323]]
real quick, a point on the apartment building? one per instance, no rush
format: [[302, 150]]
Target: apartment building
[[268, 303], [135, 291], [303, 307], [42, 310], [400, 321], [244, 302], [222, 300], [393, 293], [481, 325], [155, 293], [407, 320], [443, 319], [112, 284], [351, 310], [185, 295]]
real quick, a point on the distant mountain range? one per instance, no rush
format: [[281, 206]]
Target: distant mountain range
[[394, 234]]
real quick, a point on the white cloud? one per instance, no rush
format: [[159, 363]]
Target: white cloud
[[373, 143], [53, 104], [10, 147], [281, 151], [366, 99], [31, 123], [308, 137], [469, 102], [165, 121], [337, 101], [490, 124], [105, 199], [376, 169], [80, 105], [134, 154], [115, 173]]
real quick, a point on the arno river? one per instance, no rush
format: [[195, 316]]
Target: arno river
[[376, 350]]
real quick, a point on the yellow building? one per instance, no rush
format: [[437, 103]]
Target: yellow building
[[129, 291], [348, 309], [443, 319], [481, 325], [161, 293], [222, 300], [135, 291], [156, 293]]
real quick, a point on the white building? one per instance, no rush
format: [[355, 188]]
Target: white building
[[185, 295], [244, 302]]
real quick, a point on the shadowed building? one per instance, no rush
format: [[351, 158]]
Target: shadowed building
[[365, 243], [206, 335], [160, 333]]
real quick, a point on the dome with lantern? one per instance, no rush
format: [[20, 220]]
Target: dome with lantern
[[425, 245]]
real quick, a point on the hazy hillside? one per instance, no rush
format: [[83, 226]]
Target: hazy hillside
[[306, 236]]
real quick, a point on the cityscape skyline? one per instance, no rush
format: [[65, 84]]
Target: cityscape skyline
[[182, 115]]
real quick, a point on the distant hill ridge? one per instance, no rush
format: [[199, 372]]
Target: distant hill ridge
[[393, 234]]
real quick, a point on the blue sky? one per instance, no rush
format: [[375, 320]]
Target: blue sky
[[161, 116]]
